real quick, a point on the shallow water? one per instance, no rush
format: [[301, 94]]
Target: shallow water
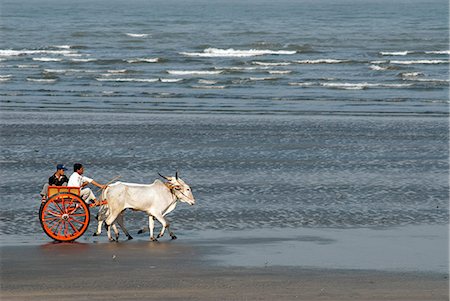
[[246, 173]]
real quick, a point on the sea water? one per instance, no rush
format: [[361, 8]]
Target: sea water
[[279, 114]]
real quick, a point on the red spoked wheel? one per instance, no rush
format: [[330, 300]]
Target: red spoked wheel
[[64, 216]]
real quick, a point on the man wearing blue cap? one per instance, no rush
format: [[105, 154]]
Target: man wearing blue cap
[[57, 179]]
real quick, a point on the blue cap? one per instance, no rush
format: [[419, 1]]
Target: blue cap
[[60, 166]]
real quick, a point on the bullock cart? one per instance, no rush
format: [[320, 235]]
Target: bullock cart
[[64, 216]]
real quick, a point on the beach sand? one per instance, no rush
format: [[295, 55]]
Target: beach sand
[[174, 270]]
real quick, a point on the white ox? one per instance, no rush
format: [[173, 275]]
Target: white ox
[[157, 200]]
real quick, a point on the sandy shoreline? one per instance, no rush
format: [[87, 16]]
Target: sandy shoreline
[[139, 270]]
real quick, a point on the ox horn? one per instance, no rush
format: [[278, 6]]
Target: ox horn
[[176, 175], [163, 177]]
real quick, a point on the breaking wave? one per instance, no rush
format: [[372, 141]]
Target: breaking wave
[[216, 52], [420, 62], [396, 53], [193, 72], [142, 60], [271, 64], [9, 52], [322, 61], [137, 35], [47, 59], [362, 86], [42, 80]]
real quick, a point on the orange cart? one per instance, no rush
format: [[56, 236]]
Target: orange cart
[[64, 215]]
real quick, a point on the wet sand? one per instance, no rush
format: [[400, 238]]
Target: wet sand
[[174, 270]]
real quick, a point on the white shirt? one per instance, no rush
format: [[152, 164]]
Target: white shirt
[[77, 180]]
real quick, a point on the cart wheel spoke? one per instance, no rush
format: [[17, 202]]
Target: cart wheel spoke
[[64, 217]]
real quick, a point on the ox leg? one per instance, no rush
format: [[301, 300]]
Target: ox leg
[[151, 226], [99, 228], [121, 223], [110, 221], [164, 224]]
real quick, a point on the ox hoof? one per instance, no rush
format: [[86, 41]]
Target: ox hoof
[[130, 237], [95, 234], [140, 231], [174, 237], [153, 239]]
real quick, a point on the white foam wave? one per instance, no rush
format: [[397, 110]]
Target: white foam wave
[[279, 71], [137, 35], [396, 53], [411, 74], [209, 87], [322, 61], [193, 72], [142, 60], [170, 80], [241, 68], [46, 59], [9, 52], [304, 84], [207, 82], [137, 80], [271, 64], [70, 71], [362, 86], [378, 68], [5, 78], [42, 80], [216, 52], [27, 66], [83, 60], [420, 62], [117, 71], [438, 52], [62, 46]]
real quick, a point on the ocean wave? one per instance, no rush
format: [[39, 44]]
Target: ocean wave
[[279, 71], [42, 80], [420, 62], [322, 61], [208, 87], [194, 72], [47, 59], [207, 82], [70, 71], [83, 60], [9, 52], [63, 46], [142, 60], [137, 80], [262, 78], [411, 74], [137, 35], [378, 68], [304, 84], [117, 71], [215, 52], [5, 78], [241, 68], [396, 53], [272, 64], [170, 80], [438, 52], [27, 66], [362, 86]]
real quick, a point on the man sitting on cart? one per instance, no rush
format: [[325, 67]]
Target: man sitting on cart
[[57, 179], [78, 180]]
